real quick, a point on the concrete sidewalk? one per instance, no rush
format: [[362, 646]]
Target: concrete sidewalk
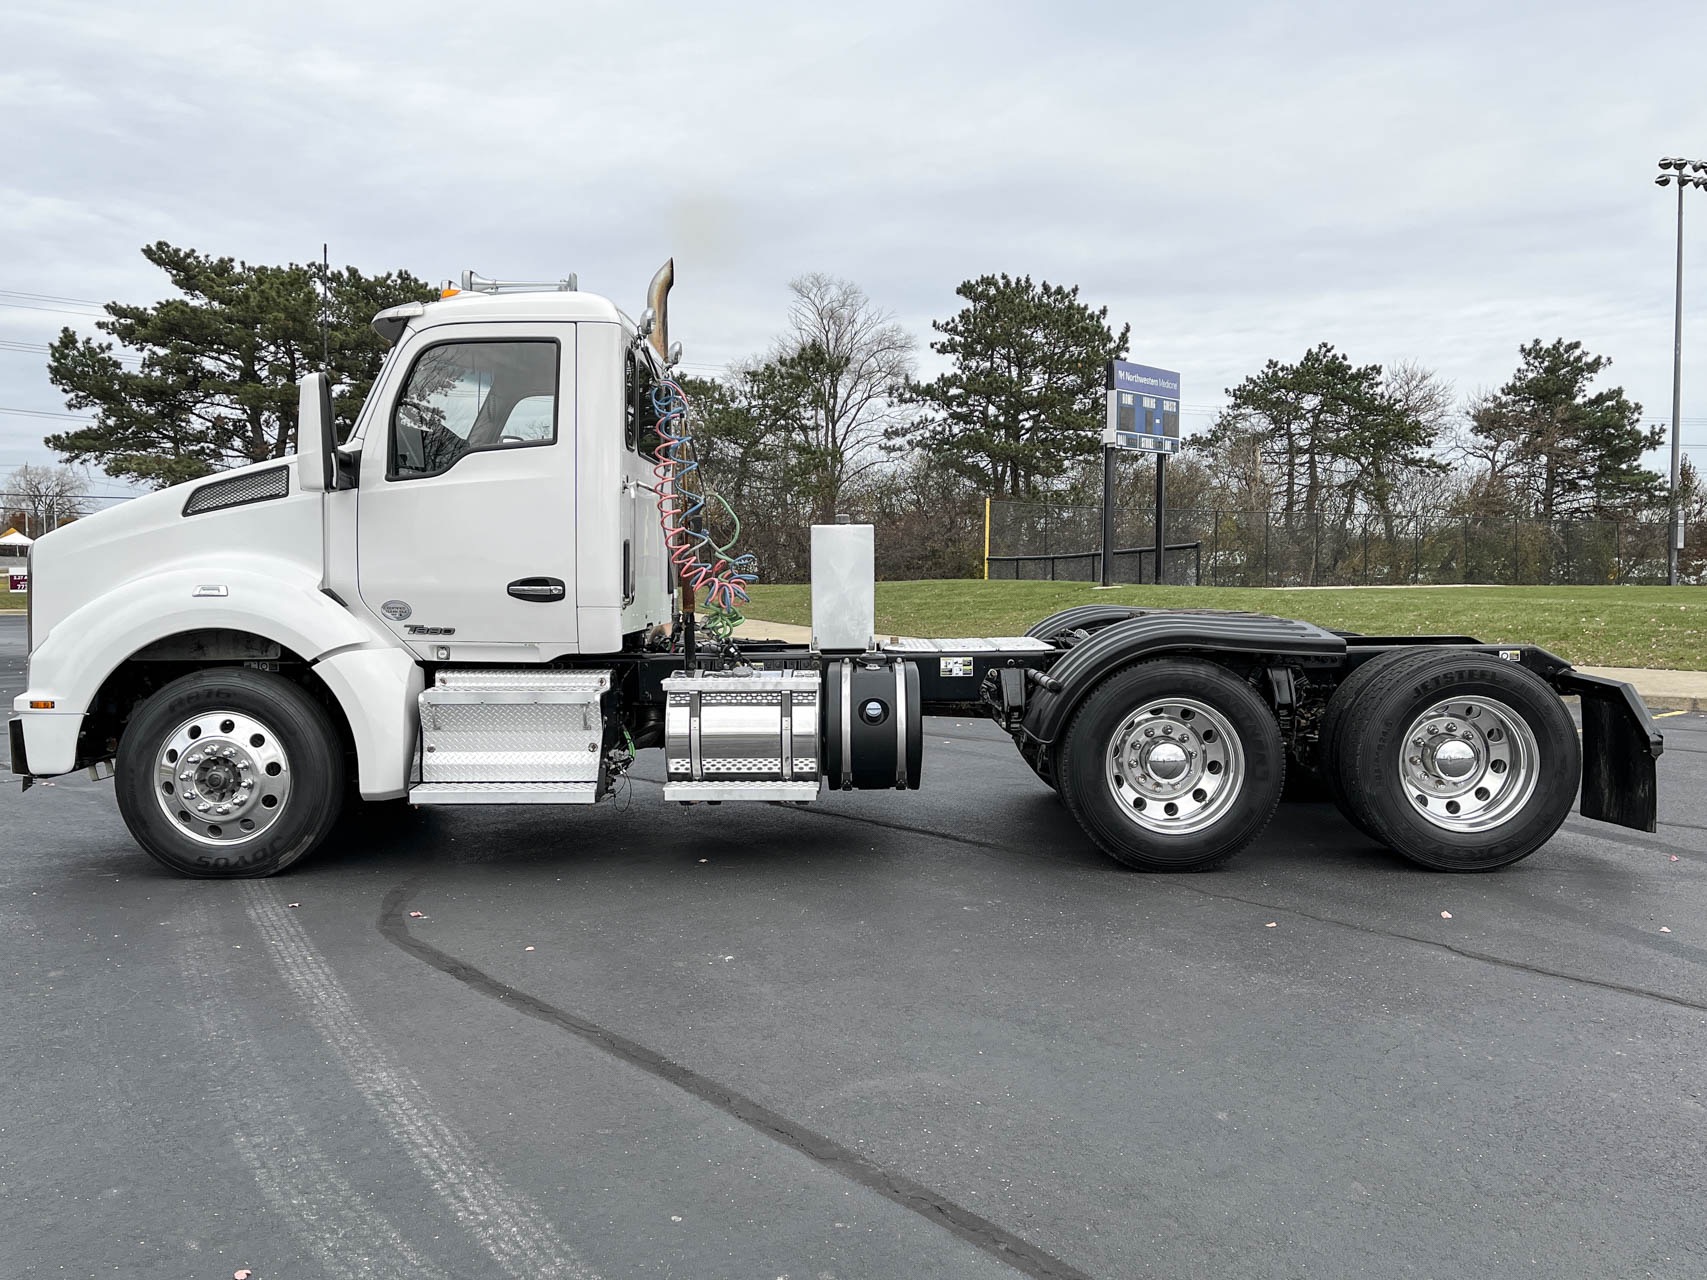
[[1661, 690]]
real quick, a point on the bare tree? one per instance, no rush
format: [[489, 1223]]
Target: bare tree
[[829, 388], [1425, 397], [44, 497]]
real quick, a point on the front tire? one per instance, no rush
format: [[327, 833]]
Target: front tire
[[1172, 765], [229, 773]]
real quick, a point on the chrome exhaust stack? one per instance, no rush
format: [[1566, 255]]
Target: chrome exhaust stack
[[658, 305]]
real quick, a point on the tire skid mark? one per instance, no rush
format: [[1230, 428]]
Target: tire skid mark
[[337, 1224], [509, 1227], [933, 1206]]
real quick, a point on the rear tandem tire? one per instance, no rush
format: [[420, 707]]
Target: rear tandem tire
[[1172, 765], [229, 773], [1335, 719], [1458, 760]]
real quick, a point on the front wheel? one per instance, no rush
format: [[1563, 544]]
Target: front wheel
[[1172, 765], [229, 773]]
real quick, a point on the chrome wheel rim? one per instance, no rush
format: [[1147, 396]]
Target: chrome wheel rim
[[1469, 764], [222, 778], [1176, 765]]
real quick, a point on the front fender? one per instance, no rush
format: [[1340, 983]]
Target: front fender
[[277, 600]]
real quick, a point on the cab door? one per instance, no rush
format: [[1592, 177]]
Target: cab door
[[466, 511]]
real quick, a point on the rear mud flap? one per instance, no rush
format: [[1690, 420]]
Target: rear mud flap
[[1620, 747]]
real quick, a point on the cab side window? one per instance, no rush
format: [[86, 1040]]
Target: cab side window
[[464, 397], [641, 420]]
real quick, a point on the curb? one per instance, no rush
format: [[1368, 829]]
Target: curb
[[1673, 702]]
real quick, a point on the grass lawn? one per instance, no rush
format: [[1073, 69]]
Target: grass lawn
[[10, 602], [1592, 626]]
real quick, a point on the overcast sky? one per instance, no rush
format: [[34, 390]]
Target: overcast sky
[[1433, 182]]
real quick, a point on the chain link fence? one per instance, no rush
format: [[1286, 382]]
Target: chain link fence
[[1219, 547]]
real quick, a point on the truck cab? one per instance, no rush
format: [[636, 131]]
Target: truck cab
[[499, 511]]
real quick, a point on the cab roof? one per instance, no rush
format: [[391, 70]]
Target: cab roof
[[556, 305]]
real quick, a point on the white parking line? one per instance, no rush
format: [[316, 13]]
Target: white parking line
[[505, 1223]]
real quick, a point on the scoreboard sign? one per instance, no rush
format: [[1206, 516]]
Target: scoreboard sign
[[1143, 408]]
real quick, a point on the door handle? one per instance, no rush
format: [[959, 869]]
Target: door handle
[[542, 590]]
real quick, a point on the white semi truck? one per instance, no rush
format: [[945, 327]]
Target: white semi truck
[[487, 594]]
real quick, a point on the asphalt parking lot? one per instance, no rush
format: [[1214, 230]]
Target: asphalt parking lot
[[926, 1035]]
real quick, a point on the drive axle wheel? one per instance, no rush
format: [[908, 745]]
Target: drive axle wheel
[[1459, 761], [1346, 701], [1172, 765], [229, 773]]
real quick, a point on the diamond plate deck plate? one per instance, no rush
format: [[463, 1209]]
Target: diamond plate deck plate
[[977, 644]]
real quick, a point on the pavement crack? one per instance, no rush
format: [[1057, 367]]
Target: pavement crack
[[1467, 953], [934, 1207]]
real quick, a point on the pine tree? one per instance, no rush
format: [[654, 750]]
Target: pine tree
[[216, 385], [1024, 399], [1562, 450], [1331, 435]]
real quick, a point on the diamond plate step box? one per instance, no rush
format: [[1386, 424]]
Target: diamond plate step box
[[510, 733]]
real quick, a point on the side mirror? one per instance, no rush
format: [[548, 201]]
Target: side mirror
[[315, 464]]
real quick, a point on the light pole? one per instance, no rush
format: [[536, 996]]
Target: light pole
[[1686, 173]]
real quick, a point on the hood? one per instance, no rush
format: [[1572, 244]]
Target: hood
[[253, 514]]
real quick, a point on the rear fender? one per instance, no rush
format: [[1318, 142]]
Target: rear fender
[[1266, 641]]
